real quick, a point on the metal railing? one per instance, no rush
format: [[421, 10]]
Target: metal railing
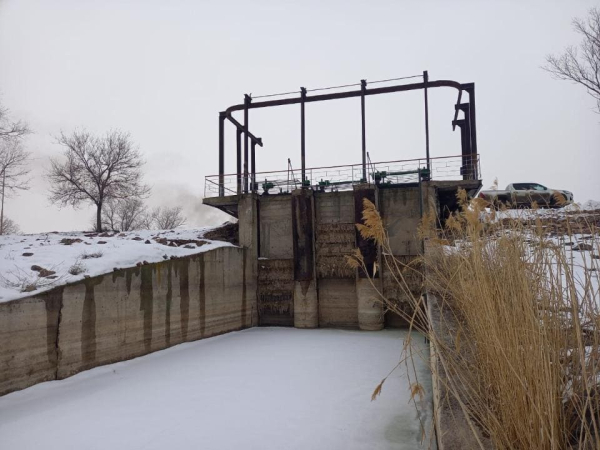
[[344, 177]]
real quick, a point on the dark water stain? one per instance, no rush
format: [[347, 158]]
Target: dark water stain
[[168, 306], [243, 312], [304, 285], [147, 304], [117, 274], [53, 301], [88, 323], [184, 295], [202, 296], [128, 275]]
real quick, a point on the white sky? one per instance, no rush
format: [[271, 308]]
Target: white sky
[[162, 70]]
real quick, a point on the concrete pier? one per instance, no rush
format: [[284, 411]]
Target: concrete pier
[[306, 300]]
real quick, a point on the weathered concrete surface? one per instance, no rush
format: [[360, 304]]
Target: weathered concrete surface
[[122, 315], [335, 235], [335, 207], [248, 223], [394, 288], [28, 333], [306, 304], [370, 305], [333, 242], [451, 426], [275, 224], [276, 292], [306, 299], [401, 214], [338, 305]]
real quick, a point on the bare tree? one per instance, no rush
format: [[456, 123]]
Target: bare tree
[[9, 129], [124, 214], [8, 226], [13, 171], [168, 218], [96, 169], [581, 67]]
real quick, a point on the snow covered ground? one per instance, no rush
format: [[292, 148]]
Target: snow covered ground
[[262, 388], [574, 230], [93, 253]]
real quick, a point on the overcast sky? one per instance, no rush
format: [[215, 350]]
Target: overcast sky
[[162, 70]]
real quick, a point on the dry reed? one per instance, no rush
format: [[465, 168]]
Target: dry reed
[[524, 358]]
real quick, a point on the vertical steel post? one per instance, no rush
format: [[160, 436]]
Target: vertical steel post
[[466, 159], [239, 160], [466, 141], [471, 170], [303, 134], [425, 82], [363, 89], [247, 100], [221, 154], [470, 88], [253, 167]]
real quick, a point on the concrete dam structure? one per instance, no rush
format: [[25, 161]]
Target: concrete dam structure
[[289, 269], [299, 243]]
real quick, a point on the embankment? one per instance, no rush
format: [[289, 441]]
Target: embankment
[[125, 314]]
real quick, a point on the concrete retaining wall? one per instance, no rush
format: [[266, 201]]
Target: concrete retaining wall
[[126, 314], [304, 237]]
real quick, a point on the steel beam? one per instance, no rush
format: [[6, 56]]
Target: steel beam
[[303, 133], [349, 94], [363, 91], [239, 160], [426, 82], [470, 88], [239, 126], [247, 101], [253, 167], [221, 154], [466, 109]]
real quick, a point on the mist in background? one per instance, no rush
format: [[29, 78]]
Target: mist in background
[[163, 70]]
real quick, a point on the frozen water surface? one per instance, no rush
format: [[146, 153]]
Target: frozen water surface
[[262, 388]]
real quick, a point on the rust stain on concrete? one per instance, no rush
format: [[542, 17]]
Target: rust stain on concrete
[[169, 299], [184, 294], [88, 323], [53, 301], [202, 296], [147, 304]]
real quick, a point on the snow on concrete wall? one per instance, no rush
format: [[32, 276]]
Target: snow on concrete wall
[[125, 314]]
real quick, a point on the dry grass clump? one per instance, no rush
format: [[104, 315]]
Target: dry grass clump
[[524, 358], [25, 281]]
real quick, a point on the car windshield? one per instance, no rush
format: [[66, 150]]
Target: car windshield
[[529, 187]]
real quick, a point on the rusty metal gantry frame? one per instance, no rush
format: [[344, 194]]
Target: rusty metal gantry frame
[[467, 125]]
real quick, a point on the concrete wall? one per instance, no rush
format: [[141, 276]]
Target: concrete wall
[[276, 264], [333, 294], [335, 238], [126, 314], [290, 270], [401, 213]]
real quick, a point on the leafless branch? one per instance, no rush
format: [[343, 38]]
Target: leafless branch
[[168, 218], [10, 130], [581, 66], [13, 166], [124, 214], [96, 170], [9, 226]]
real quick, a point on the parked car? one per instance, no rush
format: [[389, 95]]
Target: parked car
[[523, 195]]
